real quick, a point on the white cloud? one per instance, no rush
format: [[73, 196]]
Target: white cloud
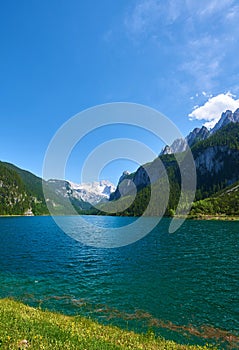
[[203, 59], [151, 16], [143, 17], [212, 7], [232, 13], [145, 13], [202, 36], [211, 111]]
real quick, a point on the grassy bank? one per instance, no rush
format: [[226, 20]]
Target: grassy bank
[[213, 217], [24, 327]]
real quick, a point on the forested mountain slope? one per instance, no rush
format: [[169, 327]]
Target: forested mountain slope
[[217, 166]]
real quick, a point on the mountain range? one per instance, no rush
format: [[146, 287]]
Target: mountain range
[[21, 193], [216, 157], [200, 134]]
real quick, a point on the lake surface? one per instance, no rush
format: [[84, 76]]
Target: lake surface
[[184, 285]]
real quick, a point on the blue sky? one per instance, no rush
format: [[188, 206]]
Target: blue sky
[[61, 57]]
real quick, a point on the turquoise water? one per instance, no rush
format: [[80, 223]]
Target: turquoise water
[[184, 286]]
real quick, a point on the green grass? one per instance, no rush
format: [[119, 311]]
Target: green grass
[[24, 327]]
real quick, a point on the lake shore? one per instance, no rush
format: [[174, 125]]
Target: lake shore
[[188, 217], [213, 217], [23, 326]]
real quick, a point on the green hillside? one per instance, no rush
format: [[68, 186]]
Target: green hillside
[[33, 188], [24, 327], [222, 150], [217, 166], [32, 182], [14, 198], [223, 203], [22, 191], [151, 198], [227, 136]]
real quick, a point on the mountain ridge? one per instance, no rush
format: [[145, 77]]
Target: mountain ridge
[[200, 134], [216, 156], [24, 193], [216, 160]]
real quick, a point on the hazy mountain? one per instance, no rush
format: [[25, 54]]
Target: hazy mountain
[[61, 200]]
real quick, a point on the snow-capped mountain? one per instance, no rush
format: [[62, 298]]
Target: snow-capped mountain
[[93, 192]]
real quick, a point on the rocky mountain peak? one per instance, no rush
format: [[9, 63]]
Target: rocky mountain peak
[[166, 150], [198, 134], [180, 145], [93, 192], [226, 118], [125, 174]]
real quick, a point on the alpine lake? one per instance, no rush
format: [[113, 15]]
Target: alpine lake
[[183, 286]]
